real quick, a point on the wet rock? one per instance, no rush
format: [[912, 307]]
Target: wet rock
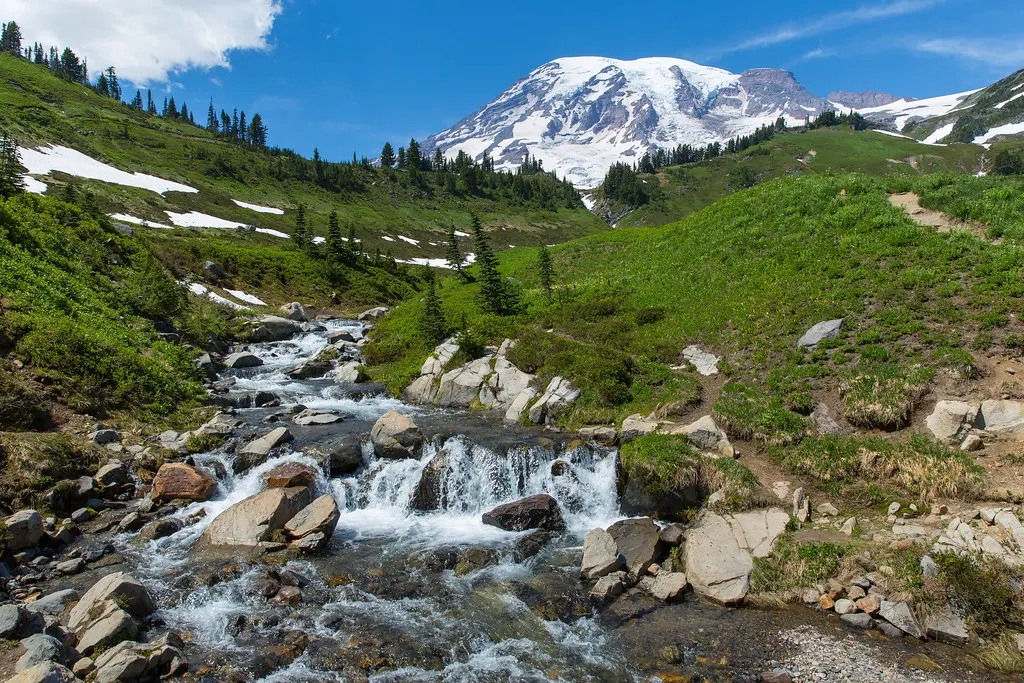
[[558, 395], [822, 331], [317, 418], [311, 368], [951, 420], [946, 626], [102, 437], [473, 559], [133, 521], [178, 480], [113, 473], [604, 436], [319, 517], [161, 528], [600, 555], [639, 543], [857, 620], [720, 551], [428, 493], [373, 314], [39, 649], [242, 359], [534, 512], [47, 672], [253, 520], [288, 595], [345, 456], [262, 446], [288, 475], [530, 544], [668, 586], [295, 311], [351, 373], [16, 622], [461, 386], [396, 436], [271, 328], [340, 336], [608, 588], [24, 530], [635, 426], [899, 615]]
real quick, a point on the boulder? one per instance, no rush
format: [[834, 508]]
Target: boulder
[[268, 442], [253, 520], [373, 314], [106, 625], [53, 604], [319, 517], [47, 672], [857, 620], [178, 480], [822, 331], [16, 622], [242, 359], [102, 437], [604, 436], [340, 336], [39, 649], [519, 405], [1002, 416], [222, 424], [120, 587], [946, 626], [309, 369], [429, 490], [720, 551], [899, 615], [161, 528], [317, 418], [668, 586], [608, 588], [422, 390], [635, 426], [271, 328], [703, 362], [951, 420], [823, 423], [534, 512], [120, 664], [113, 473], [558, 395], [461, 387], [639, 543], [290, 474], [351, 373], [295, 311], [213, 269], [24, 530], [504, 385], [395, 436], [600, 555], [705, 435]]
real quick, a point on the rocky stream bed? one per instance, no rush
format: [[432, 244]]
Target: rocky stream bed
[[334, 533]]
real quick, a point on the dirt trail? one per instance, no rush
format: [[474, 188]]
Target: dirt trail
[[911, 202]]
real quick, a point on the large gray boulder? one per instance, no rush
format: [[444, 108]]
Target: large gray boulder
[[951, 420], [106, 625], [222, 424], [24, 530], [1002, 416], [119, 587], [703, 362], [668, 586], [373, 314], [311, 368], [899, 615], [461, 387], [705, 435], [241, 360], [946, 626], [121, 664], [39, 649], [295, 311], [47, 672], [53, 604], [504, 385], [268, 442], [533, 512], [421, 390], [635, 426], [351, 373], [720, 551], [824, 330], [319, 517], [560, 394], [520, 404], [270, 328], [253, 520], [639, 543], [600, 555], [395, 436], [17, 622]]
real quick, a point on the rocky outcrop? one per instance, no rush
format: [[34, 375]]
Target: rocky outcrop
[[253, 520], [703, 362], [373, 314], [295, 311], [178, 480], [24, 530], [460, 387], [534, 512], [559, 395], [351, 373], [951, 420], [720, 551], [396, 436], [705, 435], [635, 426], [600, 555], [270, 328], [241, 360], [638, 542], [823, 331]]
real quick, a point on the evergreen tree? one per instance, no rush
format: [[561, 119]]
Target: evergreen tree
[[257, 131], [70, 68], [234, 124], [150, 104], [496, 297], [1007, 163], [211, 118], [11, 170], [335, 249], [243, 128], [352, 246], [433, 324], [172, 109], [453, 255], [387, 156], [184, 111], [300, 236], [101, 86], [545, 270], [137, 100], [401, 157], [10, 39], [225, 123], [112, 84], [413, 158]]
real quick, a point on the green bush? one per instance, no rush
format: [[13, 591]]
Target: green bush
[[746, 413]]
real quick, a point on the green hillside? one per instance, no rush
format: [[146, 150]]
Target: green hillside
[[997, 105], [677, 191], [38, 108]]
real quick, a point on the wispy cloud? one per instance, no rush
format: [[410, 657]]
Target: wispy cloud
[[830, 23], [996, 52]]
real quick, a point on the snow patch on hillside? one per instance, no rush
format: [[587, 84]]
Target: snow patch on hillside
[[202, 290], [275, 233], [905, 110], [1008, 129], [893, 134], [1003, 104], [410, 240], [939, 134], [470, 258], [47, 159], [194, 219], [125, 218], [258, 208], [34, 186], [247, 298]]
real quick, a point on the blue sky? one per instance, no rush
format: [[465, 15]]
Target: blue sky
[[346, 76]]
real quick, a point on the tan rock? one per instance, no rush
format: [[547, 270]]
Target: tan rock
[[178, 480]]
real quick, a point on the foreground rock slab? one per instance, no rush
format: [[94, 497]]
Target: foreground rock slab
[[395, 436], [252, 521]]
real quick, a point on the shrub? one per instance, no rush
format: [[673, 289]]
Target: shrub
[[882, 396], [746, 413]]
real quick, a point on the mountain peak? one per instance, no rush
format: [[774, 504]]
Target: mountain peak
[[863, 100], [580, 115]]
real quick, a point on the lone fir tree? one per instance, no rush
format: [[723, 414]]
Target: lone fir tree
[[335, 249], [545, 270], [495, 294], [11, 180], [433, 323], [452, 253], [387, 156], [300, 236]]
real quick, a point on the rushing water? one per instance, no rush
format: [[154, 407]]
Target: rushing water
[[378, 604]]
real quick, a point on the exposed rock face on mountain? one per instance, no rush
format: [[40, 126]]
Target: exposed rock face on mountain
[[860, 100], [580, 115]]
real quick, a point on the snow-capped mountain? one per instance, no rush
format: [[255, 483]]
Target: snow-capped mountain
[[580, 115]]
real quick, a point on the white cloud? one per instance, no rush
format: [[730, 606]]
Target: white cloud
[[832, 22], [997, 52], [146, 40]]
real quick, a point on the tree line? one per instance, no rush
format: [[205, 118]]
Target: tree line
[[68, 66]]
